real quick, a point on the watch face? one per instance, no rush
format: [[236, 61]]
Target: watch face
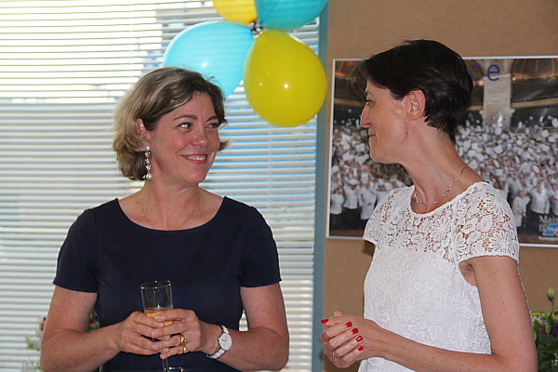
[[225, 341]]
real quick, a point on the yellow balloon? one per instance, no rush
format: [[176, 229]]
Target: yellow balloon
[[284, 80], [240, 11]]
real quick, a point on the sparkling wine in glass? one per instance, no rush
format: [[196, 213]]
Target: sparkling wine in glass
[[156, 297]]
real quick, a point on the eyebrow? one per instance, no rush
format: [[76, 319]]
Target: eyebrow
[[194, 117]]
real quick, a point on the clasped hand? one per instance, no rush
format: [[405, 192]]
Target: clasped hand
[[341, 339], [140, 334]]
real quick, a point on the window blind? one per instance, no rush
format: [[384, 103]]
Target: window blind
[[63, 65]]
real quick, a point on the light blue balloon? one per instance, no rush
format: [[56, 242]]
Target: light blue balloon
[[287, 14], [216, 49]]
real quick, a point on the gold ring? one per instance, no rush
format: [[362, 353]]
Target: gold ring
[[182, 340], [184, 349]]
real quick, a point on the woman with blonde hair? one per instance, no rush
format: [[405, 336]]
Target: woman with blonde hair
[[218, 253]]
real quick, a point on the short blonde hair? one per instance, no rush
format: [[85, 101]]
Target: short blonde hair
[[155, 94]]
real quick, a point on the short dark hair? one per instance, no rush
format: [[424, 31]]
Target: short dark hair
[[155, 94], [429, 66]]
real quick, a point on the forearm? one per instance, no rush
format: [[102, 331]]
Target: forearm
[[257, 349], [77, 351], [420, 357]]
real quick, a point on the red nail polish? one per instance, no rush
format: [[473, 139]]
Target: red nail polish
[[360, 348], [349, 324], [359, 338], [354, 331], [324, 321]]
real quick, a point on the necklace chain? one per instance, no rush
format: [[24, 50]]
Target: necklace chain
[[183, 223], [443, 196]]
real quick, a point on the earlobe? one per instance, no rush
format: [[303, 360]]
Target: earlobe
[[417, 104]]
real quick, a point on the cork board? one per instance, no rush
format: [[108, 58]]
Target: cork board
[[359, 28]]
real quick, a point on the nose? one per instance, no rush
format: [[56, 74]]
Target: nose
[[201, 137], [365, 117]]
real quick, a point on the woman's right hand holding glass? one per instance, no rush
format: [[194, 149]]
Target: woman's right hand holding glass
[[134, 335]]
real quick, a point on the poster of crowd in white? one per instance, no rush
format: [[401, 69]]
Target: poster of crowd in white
[[509, 136]]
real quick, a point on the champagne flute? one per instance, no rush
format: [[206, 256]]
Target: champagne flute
[[156, 297]]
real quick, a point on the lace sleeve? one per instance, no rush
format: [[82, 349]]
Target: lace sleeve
[[486, 228]]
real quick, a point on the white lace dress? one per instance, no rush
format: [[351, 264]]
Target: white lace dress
[[414, 286]]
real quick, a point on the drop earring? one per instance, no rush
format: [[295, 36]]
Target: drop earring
[[148, 176]]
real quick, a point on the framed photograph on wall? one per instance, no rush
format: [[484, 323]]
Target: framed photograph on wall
[[509, 136]]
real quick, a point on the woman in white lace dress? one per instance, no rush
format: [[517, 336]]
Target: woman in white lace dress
[[443, 292]]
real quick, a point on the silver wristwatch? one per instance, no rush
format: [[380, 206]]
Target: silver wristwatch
[[225, 343]]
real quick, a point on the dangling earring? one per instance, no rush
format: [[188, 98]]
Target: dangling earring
[[148, 176]]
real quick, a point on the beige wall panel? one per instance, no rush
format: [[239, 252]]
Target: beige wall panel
[[358, 28], [539, 269]]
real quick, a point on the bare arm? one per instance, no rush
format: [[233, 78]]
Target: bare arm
[[506, 318], [264, 346], [67, 346], [266, 343]]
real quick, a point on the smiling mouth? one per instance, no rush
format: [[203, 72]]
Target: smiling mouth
[[195, 157]]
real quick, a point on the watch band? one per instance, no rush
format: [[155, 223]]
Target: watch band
[[225, 343]]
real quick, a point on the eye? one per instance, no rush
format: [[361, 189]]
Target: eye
[[214, 125], [186, 125]]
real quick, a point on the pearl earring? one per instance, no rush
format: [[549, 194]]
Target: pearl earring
[[148, 176]]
